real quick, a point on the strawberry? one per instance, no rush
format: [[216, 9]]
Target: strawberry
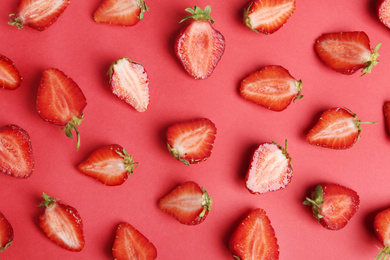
[[337, 128], [383, 11], [188, 203], [60, 101], [270, 169], [121, 12], [62, 224], [16, 156], [38, 14], [272, 87], [386, 113], [191, 141], [254, 238], [6, 233], [199, 46], [129, 81], [268, 16], [130, 244], [382, 231], [110, 165], [347, 52], [9, 75], [333, 205]]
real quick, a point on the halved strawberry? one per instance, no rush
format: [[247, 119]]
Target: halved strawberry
[[199, 46], [268, 16], [347, 52], [38, 14], [382, 231], [129, 81], [270, 169], [383, 11], [191, 141], [254, 238], [272, 87], [333, 205], [62, 224], [16, 156], [110, 165], [188, 203], [337, 128], [9, 75], [6, 233], [130, 244], [60, 101], [386, 113]]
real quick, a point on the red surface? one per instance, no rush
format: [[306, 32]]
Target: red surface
[[84, 51]]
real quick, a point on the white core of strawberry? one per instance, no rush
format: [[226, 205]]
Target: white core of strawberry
[[350, 52], [265, 16], [190, 142], [107, 167], [273, 86], [120, 8], [187, 202], [339, 129], [343, 203], [38, 10]]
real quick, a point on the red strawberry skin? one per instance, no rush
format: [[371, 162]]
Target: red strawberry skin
[[6, 233], [9, 75], [383, 11], [386, 113], [382, 227]]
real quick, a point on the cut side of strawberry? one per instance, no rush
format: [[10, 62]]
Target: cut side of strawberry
[[382, 231], [272, 87], [383, 11], [9, 76], [386, 113], [6, 233], [188, 203]]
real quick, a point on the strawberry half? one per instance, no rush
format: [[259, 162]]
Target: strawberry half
[[191, 141], [199, 46], [60, 101], [62, 224], [383, 11], [6, 233], [9, 76], [110, 165], [129, 81], [382, 231], [254, 238], [272, 87], [337, 128], [38, 14], [188, 203], [333, 205], [130, 244], [386, 113], [347, 52], [268, 16], [16, 156]]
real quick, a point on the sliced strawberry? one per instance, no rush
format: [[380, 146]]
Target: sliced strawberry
[[62, 224], [9, 76], [382, 231], [268, 16], [188, 203], [191, 141], [110, 165], [130, 244], [386, 113], [347, 52], [6, 233], [272, 87], [254, 238], [270, 169], [333, 205], [129, 81], [60, 101], [383, 11], [337, 128], [16, 156], [199, 46], [38, 14]]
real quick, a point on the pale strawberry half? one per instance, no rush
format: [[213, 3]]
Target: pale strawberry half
[[268, 16], [382, 231], [254, 238], [270, 169], [9, 75], [383, 11], [110, 164], [386, 113], [188, 203], [272, 87], [6, 233], [347, 52], [191, 141]]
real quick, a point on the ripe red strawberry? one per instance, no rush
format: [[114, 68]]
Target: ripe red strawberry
[[130, 244], [386, 113], [383, 11], [272, 87], [129, 81], [191, 141], [254, 238], [188, 203], [38, 14], [347, 52], [60, 101], [62, 224], [337, 128], [382, 231], [9, 76], [199, 46], [6, 233], [268, 16], [16, 156], [110, 165]]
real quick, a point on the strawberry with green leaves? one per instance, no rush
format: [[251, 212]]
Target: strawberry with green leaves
[[9, 75], [382, 231], [6, 233]]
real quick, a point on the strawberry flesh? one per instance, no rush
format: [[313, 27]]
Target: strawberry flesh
[[6, 233], [383, 11], [382, 231], [386, 113], [9, 76]]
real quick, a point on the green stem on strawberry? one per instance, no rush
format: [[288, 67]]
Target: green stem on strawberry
[[175, 153], [383, 254], [372, 60], [49, 201], [16, 21], [72, 125], [207, 201], [128, 161], [198, 14], [247, 20], [144, 8], [298, 83], [316, 201]]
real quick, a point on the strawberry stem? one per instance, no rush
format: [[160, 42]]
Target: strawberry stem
[[207, 201], [141, 4], [128, 161], [198, 14], [372, 60], [49, 201], [247, 19], [298, 83], [383, 254], [316, 201], [175, 153], [16, 21], [72, 125]]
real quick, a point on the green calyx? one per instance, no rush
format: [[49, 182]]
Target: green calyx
[[383, 254], [141, 4], [372, 60], [128, 161], [284, 149], [358, 122], [111, 69], [207, 201], [49, 201], [198, 14], [298, 84], [175, 153], [15, 21], [316, 202], [247, 20], [72, 125]]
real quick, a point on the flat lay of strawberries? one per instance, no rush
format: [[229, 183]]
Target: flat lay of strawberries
[[239, 129]]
